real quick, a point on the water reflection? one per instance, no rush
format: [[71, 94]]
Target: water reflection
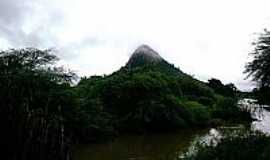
[[169, 146], [143, 147]]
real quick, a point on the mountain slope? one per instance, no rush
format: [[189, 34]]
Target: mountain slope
[[147, 58], [150, 93]]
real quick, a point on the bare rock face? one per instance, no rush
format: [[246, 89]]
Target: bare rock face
[[145, 50], [143, 55]]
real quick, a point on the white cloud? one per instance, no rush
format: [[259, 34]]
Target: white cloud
[[207, 38]]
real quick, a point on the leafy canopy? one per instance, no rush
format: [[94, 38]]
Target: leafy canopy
[[34, 100], [259, 68]]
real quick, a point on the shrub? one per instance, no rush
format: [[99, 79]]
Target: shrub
[[249, 146], [199, 113], [227, 109], [206, 101]]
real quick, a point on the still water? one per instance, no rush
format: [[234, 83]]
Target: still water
[[165, 146], [139, 147]]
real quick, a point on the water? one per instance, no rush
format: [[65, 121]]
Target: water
[[165, 146], [140, 147]]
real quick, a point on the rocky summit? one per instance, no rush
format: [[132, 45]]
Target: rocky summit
[[143, 55]]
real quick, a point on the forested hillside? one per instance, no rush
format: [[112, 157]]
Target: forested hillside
[[42, 112]]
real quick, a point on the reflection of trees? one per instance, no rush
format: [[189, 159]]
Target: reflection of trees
[[148, 146], [214, 136]]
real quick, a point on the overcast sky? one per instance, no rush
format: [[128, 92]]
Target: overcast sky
[[209, 38]]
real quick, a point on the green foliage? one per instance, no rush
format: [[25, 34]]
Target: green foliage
[[147, 97], [249, 146], [262, 95], [155, 114], [206, 101], [228, 90], [199, 113], [259, 67], [195, 89], [41, 113], [227, 109], [31, 117], [157, 97], [139, 100]]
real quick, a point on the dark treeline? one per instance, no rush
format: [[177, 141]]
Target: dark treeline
[[34, 99], [43, 113]]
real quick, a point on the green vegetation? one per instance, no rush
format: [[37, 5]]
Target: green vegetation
[[248, 146], [226, 109], [42, 112], [141, 99], [259, 67], [158, 96], [228, 90], [34, 99]]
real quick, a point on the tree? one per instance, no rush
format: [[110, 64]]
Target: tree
[[228, 90], [259, 67], [33, 99]]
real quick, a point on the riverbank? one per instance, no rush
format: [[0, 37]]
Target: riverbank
[[251, 144], [152, 146]]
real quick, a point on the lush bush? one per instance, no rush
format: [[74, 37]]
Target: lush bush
[[193, 89], [262, 95], [228, 90], [154, 114], [200, 114], [147, 97], [34, 99], [249, 146], [227, 109], [209, 102]]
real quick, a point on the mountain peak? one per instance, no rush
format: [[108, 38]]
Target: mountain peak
[[146, 51], [143, 55]]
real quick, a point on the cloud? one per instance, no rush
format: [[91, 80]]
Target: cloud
[[12, 11], [28, 23], [204, 38]]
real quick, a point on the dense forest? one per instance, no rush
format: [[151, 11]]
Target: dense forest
[[43, 112]]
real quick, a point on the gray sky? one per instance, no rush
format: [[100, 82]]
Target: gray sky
[[210, 38]]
